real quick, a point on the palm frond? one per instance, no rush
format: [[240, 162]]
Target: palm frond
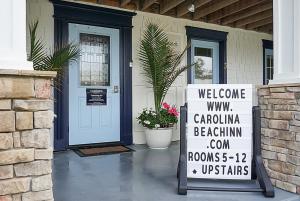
[[160, 61], [60, 57], [56, 60], [37, 53]]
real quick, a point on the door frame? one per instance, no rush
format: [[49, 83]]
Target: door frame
[[208, 35], [69, 12]]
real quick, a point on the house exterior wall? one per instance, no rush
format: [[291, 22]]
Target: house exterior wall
[[244, 55], [244, 61]]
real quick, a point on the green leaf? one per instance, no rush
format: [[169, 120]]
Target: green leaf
[[56, 60], [37, 52], [160, 61]]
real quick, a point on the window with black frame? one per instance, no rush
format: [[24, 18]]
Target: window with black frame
[[268, 61]]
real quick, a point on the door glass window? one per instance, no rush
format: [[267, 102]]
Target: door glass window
[[269, 65], [94, 60], [203, 58]]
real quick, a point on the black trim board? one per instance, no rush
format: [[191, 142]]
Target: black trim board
[[92, 15], [267, 44], [209, 35], [69, 12]]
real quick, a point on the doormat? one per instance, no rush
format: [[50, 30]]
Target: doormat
[[100, 150]]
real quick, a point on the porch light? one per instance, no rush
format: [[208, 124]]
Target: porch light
[[191, 8]]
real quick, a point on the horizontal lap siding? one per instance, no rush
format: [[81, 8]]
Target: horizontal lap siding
[[41, 10], [244, 61]]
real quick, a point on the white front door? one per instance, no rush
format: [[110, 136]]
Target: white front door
[[205, 55], [94, 97]]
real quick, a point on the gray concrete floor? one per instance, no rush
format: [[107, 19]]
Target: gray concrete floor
[[143, 175]]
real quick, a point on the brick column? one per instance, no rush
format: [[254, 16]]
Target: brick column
[[26, 117], [280, 119]]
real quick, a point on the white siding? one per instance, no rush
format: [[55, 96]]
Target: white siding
[[41, 10], [244, 55], [244, 61]]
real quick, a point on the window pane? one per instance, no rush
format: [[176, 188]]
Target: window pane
[[268, 73], [94, 60], [269, 69], [203, 65], [272, 63], [272, 73]]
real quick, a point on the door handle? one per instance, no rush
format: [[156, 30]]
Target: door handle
[[116, 89]]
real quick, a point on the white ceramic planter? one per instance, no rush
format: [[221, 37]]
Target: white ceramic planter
[[158, 138]]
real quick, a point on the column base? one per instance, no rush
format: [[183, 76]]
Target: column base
[[16, 65], [285, 80]]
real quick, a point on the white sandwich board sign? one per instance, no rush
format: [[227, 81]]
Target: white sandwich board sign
[[219, 131]]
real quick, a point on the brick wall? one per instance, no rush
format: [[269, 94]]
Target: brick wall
[[26, 117], [280, 119]]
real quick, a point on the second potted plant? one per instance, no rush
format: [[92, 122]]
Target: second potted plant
[[160, 63], [159, 126]]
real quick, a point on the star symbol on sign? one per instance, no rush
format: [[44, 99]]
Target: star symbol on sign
[[194, 171]]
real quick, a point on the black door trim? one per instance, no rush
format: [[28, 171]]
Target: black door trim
[[69, 12], [209, 35]]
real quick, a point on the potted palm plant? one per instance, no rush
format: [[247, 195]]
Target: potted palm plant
[[160, 63]]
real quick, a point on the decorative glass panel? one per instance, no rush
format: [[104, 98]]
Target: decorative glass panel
[[94, 60], [203, 65]]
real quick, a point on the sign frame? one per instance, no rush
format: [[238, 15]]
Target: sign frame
[[219, 131], [258, 173], [101, 97]]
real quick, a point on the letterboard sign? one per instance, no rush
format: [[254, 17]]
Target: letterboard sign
[[219, 131], [96, 96]]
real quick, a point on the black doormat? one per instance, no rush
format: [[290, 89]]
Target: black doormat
[[84, 151]]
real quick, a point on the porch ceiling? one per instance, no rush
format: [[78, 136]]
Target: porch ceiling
[[246, 14]]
